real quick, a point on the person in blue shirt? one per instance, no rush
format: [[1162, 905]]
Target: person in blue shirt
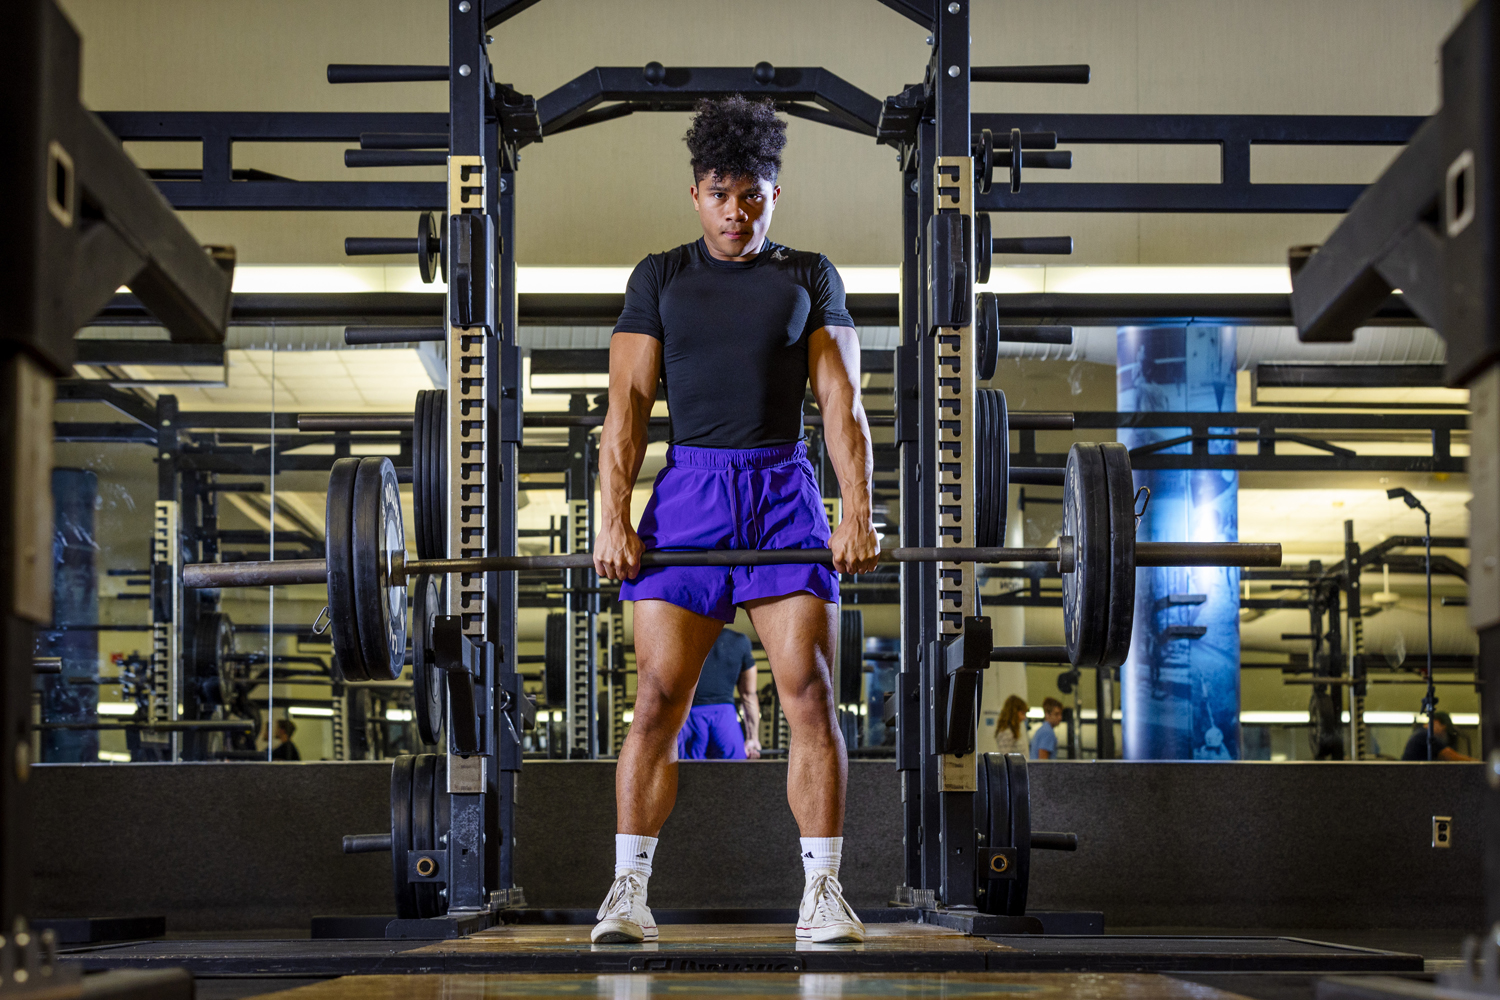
[[712, 730], [1044, 742]]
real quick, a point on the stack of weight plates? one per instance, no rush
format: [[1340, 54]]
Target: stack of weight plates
[[429, 472], [991, 467]]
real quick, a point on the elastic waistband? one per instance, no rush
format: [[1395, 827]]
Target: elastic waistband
[[732, 458]]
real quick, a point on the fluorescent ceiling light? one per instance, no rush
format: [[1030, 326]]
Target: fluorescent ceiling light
[[1371, 718], [317, 713], [117, 708], [398, 715], [858, 280], [1273, 718], [114, 756]]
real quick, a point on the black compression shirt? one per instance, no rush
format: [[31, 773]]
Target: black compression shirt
[[734, 338], [730, 656]]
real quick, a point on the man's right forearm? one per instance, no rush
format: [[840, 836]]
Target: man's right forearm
[[750, 708], [622, 449]]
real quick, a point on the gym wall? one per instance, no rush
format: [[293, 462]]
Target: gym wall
[[1284, 846]]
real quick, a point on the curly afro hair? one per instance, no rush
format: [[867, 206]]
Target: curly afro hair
[[736, 137]]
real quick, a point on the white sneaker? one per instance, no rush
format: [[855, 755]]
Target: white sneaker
[[625, 918], [824, 917]]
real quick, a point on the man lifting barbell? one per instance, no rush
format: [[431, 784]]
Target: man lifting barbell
[[738, 326]]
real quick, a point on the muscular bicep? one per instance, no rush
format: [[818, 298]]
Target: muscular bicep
[[634, 366], [833, 365], [749, 687]]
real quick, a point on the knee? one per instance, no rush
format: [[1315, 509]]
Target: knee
[[809, 703], [659, 708]]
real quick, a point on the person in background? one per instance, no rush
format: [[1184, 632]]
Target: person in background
[[712, 732], [1010, 728], [1044, 743], [1443, 738], [285, 748]]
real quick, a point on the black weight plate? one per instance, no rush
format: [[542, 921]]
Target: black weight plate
[[1020, 830], [984, 252], [982, 469], [1086, 589], [1121, 487], [423, 837], [438, 421], [418, 478], [428, 687], [992, 818], [337, 530], [378, 535], [431, 418], [851, 655], [434, 426], [401, 789], [441, 817], [986, 165], [426, 259], [555, 667], [987, 336], [1001, 451]]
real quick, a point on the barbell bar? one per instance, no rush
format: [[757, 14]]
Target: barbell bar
[[286, 572]]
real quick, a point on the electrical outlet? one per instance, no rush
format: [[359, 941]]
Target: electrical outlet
[[1442, 831]]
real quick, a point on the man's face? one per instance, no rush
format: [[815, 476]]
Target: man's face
[[735, 212], [1054, 716], [1438, 729]]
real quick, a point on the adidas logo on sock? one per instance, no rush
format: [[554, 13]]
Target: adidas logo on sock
[[643, 854], [808, 854]]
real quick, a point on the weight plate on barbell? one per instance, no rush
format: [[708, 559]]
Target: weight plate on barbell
[[1120, 486], [378, 537], [1086, 589], [402, 769], [555, 660], [427, 682], [337, 530], [851, 655]]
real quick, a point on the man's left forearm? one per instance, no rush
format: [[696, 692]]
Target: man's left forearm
[[846, 430]]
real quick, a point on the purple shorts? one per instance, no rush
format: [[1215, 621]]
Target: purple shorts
[[717, 498], [711, 732]]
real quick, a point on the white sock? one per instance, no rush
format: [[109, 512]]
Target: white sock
[[821, 854], [634, 854]]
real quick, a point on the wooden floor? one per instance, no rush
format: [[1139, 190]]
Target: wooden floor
[[739, 938], [829, 986]]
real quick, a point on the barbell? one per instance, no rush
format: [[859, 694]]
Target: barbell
[[366, 569]]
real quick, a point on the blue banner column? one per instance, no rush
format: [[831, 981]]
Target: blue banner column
[[72, 695], [1180, 687]]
